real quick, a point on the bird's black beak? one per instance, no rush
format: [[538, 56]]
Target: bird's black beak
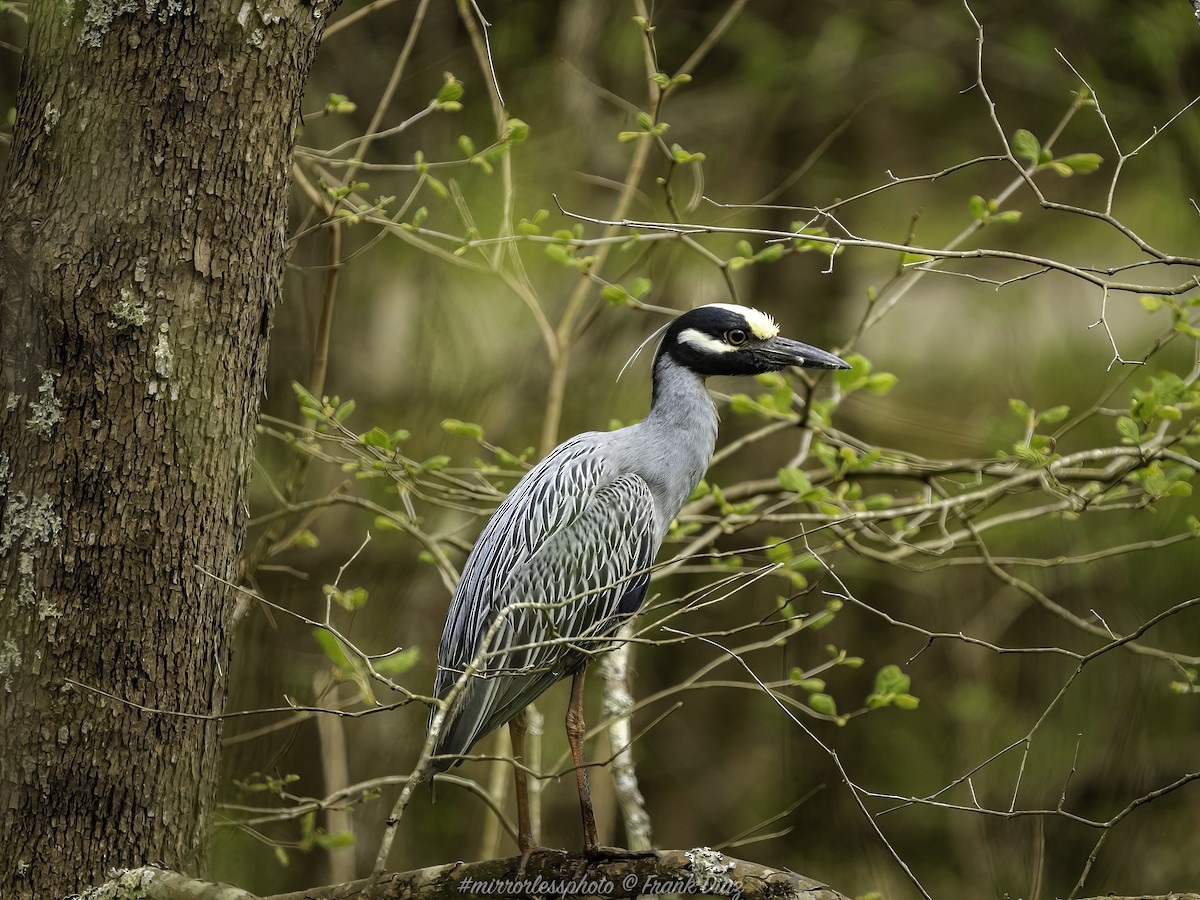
[[781, 351]]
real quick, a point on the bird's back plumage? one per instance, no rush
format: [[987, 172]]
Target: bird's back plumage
[[564, 560]]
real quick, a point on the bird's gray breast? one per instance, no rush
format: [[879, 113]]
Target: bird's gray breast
[[670, 461]]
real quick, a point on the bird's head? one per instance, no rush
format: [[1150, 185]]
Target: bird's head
[[723, 339]]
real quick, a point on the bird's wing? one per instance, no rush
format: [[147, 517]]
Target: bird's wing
[[562, 562]]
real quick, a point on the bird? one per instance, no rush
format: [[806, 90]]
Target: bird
[[566, 558]]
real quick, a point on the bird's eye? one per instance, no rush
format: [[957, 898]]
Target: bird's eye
[[735, 336]]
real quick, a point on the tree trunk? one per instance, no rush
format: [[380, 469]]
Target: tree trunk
[[142, 227]]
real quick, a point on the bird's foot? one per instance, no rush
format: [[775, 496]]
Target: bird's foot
[[527, 850]]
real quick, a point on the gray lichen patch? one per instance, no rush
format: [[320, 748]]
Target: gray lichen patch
[[163, 9], [128, 311], [710, 872], [10, 661], [164, 365], [98, 19], [50, 118], [45, 412], [164, 359], [29, 526], [99, 15]]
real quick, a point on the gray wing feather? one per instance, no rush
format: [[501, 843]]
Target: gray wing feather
[[561, 564]]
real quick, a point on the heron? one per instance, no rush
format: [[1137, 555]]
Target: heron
[[566, 558]]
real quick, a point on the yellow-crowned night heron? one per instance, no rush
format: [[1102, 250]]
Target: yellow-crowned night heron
[[567, 556]]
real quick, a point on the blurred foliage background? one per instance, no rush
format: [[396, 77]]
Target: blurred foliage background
[[794, 106]]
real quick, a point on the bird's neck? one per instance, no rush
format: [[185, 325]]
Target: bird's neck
[[680, 403], [676, 438]]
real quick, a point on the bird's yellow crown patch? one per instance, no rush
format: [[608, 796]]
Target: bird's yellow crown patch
[[760, 323]]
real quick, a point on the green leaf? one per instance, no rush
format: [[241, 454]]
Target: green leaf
[[343, 412], [644, 121], [1081, 163], [397, 663], [1008, 217], [332, 648], [1185, 327], [978, 207], [881, 383], [466, 145], [335, 841], [820, 620], [450, 91], [1029, 454], [1129, 430], [1179, 489], [780, 551], [1021, 408], [1026, 146], [640, 287], [305, 399], [906, 701], [892, 680], [822, 703], [683, 157], [463, 429], [350, 668], [516, 130], [339, 103], [1054, 414], [615, 294], [812, 685], [305, 540], [742, 405], [377, 437], [795, 480], [1151, 303], [350, 599], [810, 238]]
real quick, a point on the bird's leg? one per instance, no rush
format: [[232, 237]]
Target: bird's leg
[[525, 842], [575, 731]]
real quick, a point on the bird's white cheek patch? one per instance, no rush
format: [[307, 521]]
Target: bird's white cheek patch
[[702, 341]]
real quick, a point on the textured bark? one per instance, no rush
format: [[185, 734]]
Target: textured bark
[[142, 224]]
